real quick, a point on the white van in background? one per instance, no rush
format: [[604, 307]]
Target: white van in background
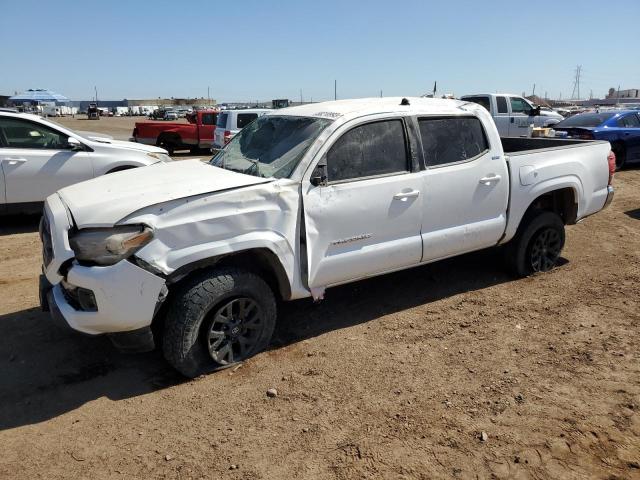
[[513, 114], [231, 122]]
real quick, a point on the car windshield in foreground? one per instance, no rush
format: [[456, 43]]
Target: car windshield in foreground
[[585, 120], [270, 146]]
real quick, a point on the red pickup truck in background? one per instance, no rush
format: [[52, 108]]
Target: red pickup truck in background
[[172, 136]]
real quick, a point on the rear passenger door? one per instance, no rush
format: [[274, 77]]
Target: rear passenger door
[[366, 219], [466, 187], [501, 116]]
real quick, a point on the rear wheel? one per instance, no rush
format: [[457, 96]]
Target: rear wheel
[[218, 318], [537, 244], [621, 155], [167, 143]]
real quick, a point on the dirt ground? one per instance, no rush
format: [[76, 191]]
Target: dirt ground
[[451, 370]]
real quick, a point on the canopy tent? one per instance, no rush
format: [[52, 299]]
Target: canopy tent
[[39, 95]]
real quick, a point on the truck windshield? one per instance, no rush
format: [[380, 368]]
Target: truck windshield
[[270, 146]]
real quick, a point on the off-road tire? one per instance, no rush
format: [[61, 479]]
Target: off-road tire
[[520, 251], [189, 317]]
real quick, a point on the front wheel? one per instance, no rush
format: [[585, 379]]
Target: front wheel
[[218, 318], [537, 244]]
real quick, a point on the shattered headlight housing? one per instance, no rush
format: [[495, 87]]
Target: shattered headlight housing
[[107, 246]]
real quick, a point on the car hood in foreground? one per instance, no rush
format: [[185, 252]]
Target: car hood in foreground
[[104, 201]]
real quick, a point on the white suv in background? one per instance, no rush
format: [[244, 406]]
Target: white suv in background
[[231, 122]]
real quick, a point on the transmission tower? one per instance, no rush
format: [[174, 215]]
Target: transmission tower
[[576, 84]]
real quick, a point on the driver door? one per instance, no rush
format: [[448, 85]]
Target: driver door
[[37, 161], [366, 219], [520, 117]]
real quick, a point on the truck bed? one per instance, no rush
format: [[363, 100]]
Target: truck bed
[[516, 145], [539, 165]]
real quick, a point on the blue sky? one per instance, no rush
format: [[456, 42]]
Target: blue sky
[[259, 50]]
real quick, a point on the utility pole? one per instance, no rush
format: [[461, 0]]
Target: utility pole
[[300, 95], [534, 90], [380, 93], [96, 90], [576, 84], [208, 97], [335, 89]]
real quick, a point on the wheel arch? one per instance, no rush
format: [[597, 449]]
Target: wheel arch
[[260, 260], [560, 198]]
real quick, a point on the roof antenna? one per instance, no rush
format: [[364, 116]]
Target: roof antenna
[[404, 101]]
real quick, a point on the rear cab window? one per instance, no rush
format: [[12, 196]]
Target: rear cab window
[[370, 150], [450, 140]]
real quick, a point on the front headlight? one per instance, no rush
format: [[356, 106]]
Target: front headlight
[[161, 157], [106, 246]]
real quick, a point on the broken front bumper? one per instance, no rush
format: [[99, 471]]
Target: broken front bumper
[[93, 300]]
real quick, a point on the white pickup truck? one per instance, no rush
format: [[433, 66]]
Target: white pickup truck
[[39, 157], [302, 199], [513, 114]]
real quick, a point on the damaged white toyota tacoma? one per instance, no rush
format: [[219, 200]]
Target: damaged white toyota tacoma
[[302, 199]]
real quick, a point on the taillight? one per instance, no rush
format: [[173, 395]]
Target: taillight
[[611, 158], [227, 136]]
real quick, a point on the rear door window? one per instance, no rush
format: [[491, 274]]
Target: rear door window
[[502, 105], [245, 119], [373, 149], [222, 120], [451, 140]]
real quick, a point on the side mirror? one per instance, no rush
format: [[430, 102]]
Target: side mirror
[[74, 144], [319, 175], [536, 111]]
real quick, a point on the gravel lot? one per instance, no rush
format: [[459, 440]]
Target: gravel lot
[[452, 370]]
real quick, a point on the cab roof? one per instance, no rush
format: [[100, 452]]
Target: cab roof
[[369, 106]]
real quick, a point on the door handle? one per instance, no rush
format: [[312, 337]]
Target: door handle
[[489, 179], [405, 195], [14, 160]]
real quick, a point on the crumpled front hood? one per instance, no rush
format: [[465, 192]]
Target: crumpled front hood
[[105, 200]]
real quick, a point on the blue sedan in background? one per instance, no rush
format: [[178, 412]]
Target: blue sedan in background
[[621, 128]]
